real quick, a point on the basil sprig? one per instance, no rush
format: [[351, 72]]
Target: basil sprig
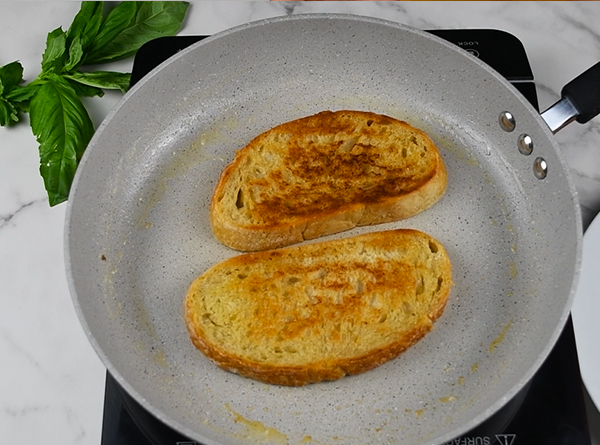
[[58, 118]]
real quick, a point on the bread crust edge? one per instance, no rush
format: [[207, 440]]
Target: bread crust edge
[[253, 239], [311, 373]]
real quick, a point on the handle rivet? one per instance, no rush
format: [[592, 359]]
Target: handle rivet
[[540, 168], [525, 144], [507, 121]]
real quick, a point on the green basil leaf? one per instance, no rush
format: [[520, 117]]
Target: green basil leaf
[[52, 59], [8, 113], [86, 23], [75, 54], [11, 76], [83, 90], [115, 23], [102, 79], [63, 129], [21, 95], [129, 29]]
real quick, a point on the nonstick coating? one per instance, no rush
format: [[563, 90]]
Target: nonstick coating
[[138, 232]]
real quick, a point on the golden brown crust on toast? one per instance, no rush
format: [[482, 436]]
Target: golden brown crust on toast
[[324, 174], [319, 311]]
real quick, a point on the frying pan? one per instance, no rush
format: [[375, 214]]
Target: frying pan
[[137, 230]]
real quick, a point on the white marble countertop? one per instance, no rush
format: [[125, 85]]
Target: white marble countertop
[[51, 381]]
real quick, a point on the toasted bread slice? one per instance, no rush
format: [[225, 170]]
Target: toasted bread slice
[[319, 311], [324, 174]]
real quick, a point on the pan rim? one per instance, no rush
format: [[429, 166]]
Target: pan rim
[[69, 211]]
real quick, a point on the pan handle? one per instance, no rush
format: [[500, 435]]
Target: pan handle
[[580, 101]]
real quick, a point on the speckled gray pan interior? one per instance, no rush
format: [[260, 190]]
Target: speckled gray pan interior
[[138, 232]]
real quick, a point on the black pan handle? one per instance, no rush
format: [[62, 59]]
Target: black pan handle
[[580, 101]]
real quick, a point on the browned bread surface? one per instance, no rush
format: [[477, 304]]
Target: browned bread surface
[[319, 311], [324, 174]]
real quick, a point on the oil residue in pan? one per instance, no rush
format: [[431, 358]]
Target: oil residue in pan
[[255, 430], [179, 164]]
